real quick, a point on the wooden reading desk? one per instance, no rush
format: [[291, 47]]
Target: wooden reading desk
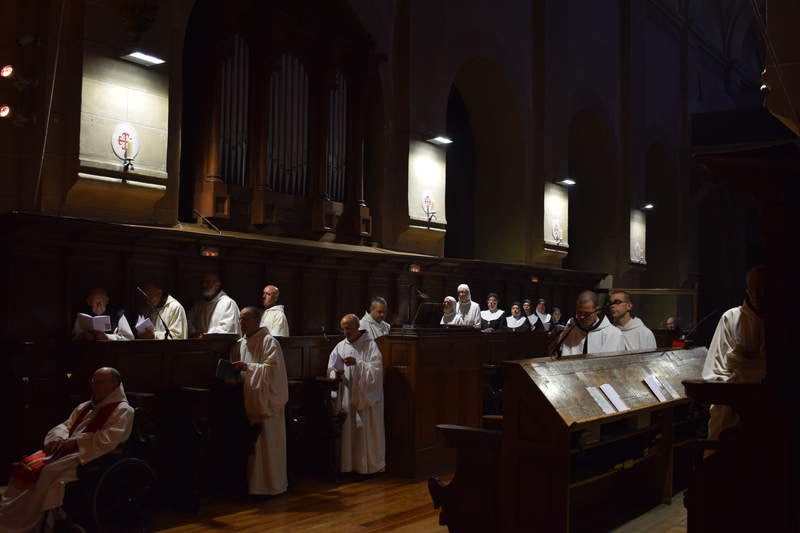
[[566, 460]]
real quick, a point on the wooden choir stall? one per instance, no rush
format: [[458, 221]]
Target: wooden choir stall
[[586, 444], [195, 425]]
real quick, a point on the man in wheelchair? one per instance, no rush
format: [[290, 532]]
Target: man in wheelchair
[[93, 429]]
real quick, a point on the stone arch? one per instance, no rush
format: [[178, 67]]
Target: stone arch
[[498, 197], [598, 210]]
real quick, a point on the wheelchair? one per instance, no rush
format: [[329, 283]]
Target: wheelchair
[[116, 492]]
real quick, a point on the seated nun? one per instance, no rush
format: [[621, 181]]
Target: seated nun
[[449, 315], [492, 317], [516, 321], [533, 318]]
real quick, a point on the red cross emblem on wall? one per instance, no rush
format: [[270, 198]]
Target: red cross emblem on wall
[[123, 140]]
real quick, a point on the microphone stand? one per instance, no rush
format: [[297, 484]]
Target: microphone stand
[[167, 334]]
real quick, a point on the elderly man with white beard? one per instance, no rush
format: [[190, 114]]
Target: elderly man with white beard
[[216, 312], [469, 312]]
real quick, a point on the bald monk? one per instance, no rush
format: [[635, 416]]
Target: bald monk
[[274, 317], [93, 429], [358, 362], [259, 358]]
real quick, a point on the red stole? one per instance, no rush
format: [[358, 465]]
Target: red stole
[[26, 471]]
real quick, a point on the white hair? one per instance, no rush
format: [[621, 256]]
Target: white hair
[[464, 287], [450, 299]]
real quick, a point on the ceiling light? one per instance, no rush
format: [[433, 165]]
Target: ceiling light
[[440, 140], [648, 205], [142, 59], [569, 182], [7, 71]]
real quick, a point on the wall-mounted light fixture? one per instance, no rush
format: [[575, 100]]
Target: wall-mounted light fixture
[[209, 251], [440, 140], [567, 182], [648, 205], [534, 279], [414, 268], [141, 58]]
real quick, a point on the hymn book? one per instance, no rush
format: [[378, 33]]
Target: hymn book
[[144, 324], [338, 363], [91, 323]]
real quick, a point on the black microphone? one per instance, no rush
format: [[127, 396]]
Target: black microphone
[[167, 334]]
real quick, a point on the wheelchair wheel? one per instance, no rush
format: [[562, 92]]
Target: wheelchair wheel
[[124, 496]]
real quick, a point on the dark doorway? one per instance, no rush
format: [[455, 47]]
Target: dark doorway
[[460, 176]]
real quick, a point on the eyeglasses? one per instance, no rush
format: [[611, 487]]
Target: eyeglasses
[[616, 302]]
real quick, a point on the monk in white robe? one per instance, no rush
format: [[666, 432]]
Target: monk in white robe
[[469, 311], [358, 362], [587, 333], [737, 353], [93, 429], [216, 312], [638, 337], [166, 314], [373, 320], [274, 317], [258, 356], [97, 305]]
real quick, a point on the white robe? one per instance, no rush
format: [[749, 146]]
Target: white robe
[[737, 354], [274, 319], [470, 314], [638, 336], [122, 332], [218, 315], [266, 391], [21, 510], [604, 339], [452, 319], [363, 447], [174, 316], [373, 327]]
